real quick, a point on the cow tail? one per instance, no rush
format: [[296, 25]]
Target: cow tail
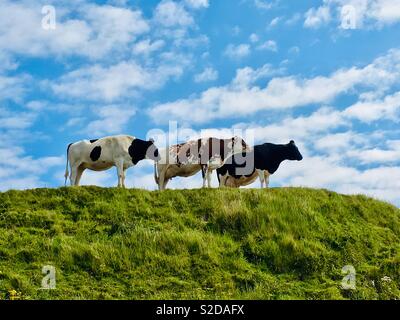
[[155, 173], [66, 167]]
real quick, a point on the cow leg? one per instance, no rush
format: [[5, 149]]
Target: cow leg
[[120, 172], [222, 180], [74, 172], [230, 182], [266, 174], [209, 173], [204, 170], [79, 173], [165, 184], [123, 178], [161, 180], [262, 177], [119, 178]]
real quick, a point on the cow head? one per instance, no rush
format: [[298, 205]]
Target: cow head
[[239, 145], [141, 149], [152, 151], [293, 152]]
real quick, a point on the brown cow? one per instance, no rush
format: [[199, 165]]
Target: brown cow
[[186, 159]]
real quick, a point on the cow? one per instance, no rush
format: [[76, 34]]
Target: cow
[[120, 151], [243, 169], [186, 159]]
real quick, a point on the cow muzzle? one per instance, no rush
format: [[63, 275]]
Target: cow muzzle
[[153, 154]]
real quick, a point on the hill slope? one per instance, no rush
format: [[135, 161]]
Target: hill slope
[[283, 243]]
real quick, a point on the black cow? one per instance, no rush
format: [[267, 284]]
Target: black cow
[[243, 169]]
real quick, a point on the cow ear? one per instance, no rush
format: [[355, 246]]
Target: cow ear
[[151, 140], [291, 142]]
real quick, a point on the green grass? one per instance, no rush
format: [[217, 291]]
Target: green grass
[[284, 243]]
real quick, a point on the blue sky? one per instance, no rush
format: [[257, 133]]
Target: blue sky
[[303, 70]]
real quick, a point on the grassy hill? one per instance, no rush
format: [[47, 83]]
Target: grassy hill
[[286, 243]]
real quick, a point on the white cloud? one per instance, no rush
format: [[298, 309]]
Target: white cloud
[[264, 5], [18, 171], [14, 159], [269, 45], [144, 181], [280, 93], [170, 14], [114, 26], [193, 182], [254, 38], [301, 128], [247, 76], [358, 147], [337, 142], [15, 126], [326, 172], [103, 178], [116, 81], [93, 32], [385, 11], [209, 74], [317, 17], [74, 122], [318, 172], [275, 21], [196, 4], [108, 83], [365, 13], [146, 47], [7, 62], [378, 155], [293, 19], [13, 87], [15, 121], [372, 110], [37, 105], [294, 50], [237, 51], [381, 183], [112, 119], [22, 183]]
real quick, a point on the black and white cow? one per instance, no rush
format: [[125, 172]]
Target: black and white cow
[[102, 154], [243, 169]]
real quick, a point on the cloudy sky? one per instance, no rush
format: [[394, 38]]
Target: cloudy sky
[[323, 73]]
